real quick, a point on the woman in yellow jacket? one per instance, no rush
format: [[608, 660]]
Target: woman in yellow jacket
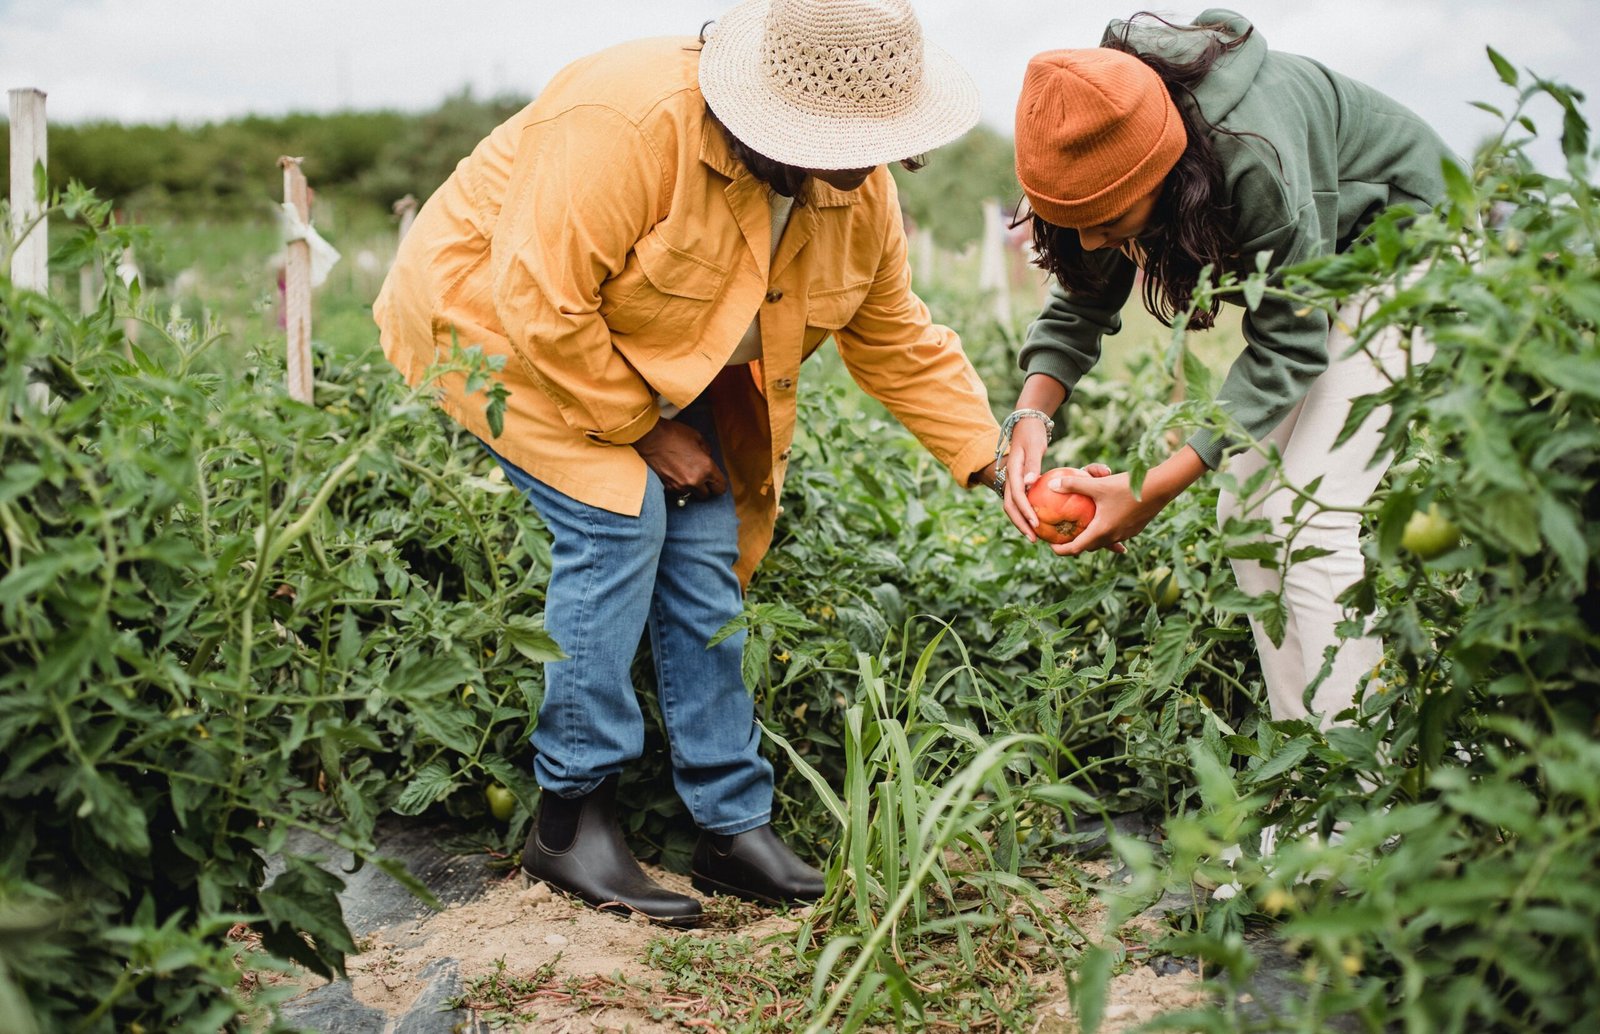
[[654, 246]]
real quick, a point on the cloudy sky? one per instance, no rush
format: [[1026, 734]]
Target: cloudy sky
[[194, 60]]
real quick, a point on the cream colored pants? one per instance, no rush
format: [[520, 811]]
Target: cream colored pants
[[1349, 476]]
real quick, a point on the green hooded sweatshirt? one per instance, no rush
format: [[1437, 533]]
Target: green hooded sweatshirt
[[1315, 158]]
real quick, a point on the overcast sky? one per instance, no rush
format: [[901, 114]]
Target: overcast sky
[[195, 60]]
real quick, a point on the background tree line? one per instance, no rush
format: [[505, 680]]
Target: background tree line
[[374, 157]]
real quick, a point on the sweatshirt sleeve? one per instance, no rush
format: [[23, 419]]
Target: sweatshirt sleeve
[[1286, 344], [585, 186], [1064, 341]]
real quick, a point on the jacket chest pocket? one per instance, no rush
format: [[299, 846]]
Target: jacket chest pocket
[[832, 308], [828, 310], [663, 293]]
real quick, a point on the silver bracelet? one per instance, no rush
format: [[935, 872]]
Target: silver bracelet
[[1001, 447], [1019, 414]]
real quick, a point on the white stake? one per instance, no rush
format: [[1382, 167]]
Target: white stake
[[406, 210], [994, 277], [297, 286], [29, 263]]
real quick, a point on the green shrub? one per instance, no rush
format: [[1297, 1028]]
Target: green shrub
[[228, 616], [1462, 891]]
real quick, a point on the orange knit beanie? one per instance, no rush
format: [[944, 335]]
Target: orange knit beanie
[[1096, 131]]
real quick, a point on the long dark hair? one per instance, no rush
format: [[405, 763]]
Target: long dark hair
[[1191, 225]]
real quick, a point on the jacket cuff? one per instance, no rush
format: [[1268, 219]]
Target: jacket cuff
[[629, 432], [1210, 446], [973, 458]]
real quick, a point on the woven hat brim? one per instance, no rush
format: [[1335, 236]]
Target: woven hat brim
[[733, 79]]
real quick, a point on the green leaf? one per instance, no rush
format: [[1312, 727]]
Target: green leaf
[[1089, 989], [430, 784], [305, 900], [1170, 651], [1255, 288], [528, 637], [1196, 374], [1508, 74], [447, 726], [419, 890], [1457, 186], [1565, 535], [426, 677], [1284, 759]]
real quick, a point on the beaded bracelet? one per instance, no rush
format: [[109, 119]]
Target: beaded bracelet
[[1006, 428]]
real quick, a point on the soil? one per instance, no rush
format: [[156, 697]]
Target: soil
[[408, 973]]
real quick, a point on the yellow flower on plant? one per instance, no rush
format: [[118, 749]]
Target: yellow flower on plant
[[1276, 900]]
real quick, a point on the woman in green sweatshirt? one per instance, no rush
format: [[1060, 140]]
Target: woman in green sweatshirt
[[1172, 148]]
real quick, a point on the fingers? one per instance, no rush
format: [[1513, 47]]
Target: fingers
[[1089, 486], [1022, 470], [1097, 470], [1023, 524], [709, 485], [1098, 535]]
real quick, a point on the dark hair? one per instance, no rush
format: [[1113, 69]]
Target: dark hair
[[1190, 227]]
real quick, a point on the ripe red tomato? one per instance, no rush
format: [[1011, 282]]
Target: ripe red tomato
[[1062, 515]]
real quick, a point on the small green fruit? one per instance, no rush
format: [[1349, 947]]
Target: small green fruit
[[1429, 534], [502, 802], [1161, 587]]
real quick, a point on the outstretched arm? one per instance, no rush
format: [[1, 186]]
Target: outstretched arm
[[1119, 515]]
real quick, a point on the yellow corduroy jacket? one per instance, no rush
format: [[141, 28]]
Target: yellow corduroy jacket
[[607, 244]]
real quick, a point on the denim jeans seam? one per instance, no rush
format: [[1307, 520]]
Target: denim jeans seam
[[754, 820], [666, 679], [575, 718]]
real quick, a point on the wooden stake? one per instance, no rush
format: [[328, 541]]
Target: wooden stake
[[994, 278], [29, 263], [406, 210], [297, 286]]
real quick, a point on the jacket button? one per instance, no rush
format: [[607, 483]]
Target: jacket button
[[783, 383], [774, 296]]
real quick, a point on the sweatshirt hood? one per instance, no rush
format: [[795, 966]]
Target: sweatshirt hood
[[1229, 81]]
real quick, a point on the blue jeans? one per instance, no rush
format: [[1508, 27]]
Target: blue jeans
[[668, 570]]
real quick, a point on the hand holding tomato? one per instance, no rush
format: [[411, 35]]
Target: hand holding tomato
[[1027, 493], [1118, 514], [1062, 515]]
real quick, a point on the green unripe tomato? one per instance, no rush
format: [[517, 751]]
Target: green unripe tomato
[[502, 802], [1429, 533], [1161, 587]]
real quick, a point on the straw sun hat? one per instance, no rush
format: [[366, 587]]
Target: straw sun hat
[[834, 84]]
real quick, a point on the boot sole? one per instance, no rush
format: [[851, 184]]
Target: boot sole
[[617, 908], [706, 885]]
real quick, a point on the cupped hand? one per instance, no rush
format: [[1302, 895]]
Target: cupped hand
[[1022, 464], [681, 459], [1118, 515]]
